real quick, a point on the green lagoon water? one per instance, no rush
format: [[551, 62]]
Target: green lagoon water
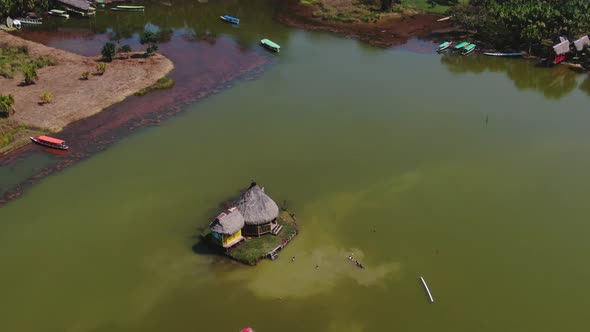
[[382, 153]]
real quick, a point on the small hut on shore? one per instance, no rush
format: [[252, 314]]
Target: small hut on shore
[[226, 229], [259, 210]]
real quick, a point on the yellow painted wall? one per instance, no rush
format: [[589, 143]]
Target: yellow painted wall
[[230, 238]]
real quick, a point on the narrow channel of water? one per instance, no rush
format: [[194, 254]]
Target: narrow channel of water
[[386, 154]]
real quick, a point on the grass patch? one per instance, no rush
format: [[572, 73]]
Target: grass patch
[[249, 251], [13, 59], [162, 83], [308, 2], [13, 135]]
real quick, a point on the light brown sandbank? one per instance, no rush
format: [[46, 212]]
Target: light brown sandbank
[[74, 99]]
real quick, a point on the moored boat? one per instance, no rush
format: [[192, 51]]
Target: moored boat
[[460, 46], [50, 142], [31, 21], [230, 19], [444, 19], [129, 8], [468, 49], [270, 45], [443, 46], [60, 13], [503, 54]]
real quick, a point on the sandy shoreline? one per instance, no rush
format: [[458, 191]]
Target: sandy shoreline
[[385, 33], [74, 99]]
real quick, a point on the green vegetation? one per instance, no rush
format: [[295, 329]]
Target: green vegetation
[[519, 24], [151, 39], [124, 49], [46, 98], [84, 76], [17, 7], [30, 74], [162, 83], [108, 51], [250, 251], [6, 105], [14, 59], [101, 68], [433, 6]]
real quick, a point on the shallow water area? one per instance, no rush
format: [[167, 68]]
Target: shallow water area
[[469, 171]]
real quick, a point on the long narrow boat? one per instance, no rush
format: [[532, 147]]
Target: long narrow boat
[[129, 8], [270, 45], [468, 49], [31, 21], [50, 142], [444, 19], [502, 54], [230, 19], [427, 289], [443, 46], [460, 46], [60, 13]]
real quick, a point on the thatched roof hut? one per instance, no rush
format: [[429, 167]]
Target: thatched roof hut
[[256, 207], [228, 222]]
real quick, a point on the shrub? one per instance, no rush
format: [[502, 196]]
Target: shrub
[[151, 39], [46, 98], [108, 51], [6, 105], [30, 74], [84, 76], [162, 83], [124, 49], [101, 68]]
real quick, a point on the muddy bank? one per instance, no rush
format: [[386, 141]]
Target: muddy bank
[[203, 68], [394, 31]]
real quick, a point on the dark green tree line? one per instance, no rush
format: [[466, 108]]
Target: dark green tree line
[[17, 7]]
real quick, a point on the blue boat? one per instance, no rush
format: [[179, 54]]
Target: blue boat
[[230, 19]]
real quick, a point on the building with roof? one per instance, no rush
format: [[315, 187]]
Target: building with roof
[[226, 229], [260, 212]]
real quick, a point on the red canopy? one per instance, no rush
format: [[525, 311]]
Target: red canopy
[[50, 140]]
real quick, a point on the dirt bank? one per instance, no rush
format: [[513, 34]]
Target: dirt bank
[[73, 98], [394, 30]]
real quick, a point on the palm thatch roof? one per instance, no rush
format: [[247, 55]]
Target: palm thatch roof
[[228, 222], [256, 207], [78, 4]]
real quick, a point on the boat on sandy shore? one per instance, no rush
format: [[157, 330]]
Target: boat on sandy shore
[[443, 46], [129, 8], [270, 45], [515, 54], [468, 49], [444, 19], [50, 142], [60, 13], [230, 19]]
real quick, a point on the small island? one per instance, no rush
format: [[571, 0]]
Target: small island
[[253, 228]]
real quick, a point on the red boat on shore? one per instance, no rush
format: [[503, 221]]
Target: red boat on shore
[[50, 142]]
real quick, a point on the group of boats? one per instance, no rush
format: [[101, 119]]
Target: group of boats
[[269, 44], [467, 48]]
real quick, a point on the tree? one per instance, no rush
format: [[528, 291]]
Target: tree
[[30, 74], [124, 49], [46, 98], [101, 68], [151, 39], [6, 105], [387, 4], [108, 51]]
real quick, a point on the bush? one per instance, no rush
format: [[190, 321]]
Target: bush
[[101, 68], [162, 83], [124, 49], [108, 51], [30, 74], [6, 105], [151, 39], [46, 98], [84, 76]]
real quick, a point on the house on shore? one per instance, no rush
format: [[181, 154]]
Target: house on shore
[[226, 229], [259, 210]]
